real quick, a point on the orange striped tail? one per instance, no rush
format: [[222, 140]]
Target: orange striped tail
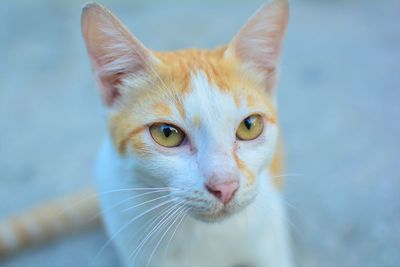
[[48, 221]]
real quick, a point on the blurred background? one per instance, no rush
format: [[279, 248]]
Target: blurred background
[[339, 102]]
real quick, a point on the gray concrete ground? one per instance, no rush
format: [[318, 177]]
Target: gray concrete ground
[[339, 105]]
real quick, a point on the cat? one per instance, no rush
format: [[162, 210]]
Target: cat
[[187, 174]]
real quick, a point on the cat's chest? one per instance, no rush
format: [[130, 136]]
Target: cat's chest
[[230, 243]]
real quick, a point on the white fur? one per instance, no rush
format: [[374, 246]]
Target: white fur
[[252, 230]]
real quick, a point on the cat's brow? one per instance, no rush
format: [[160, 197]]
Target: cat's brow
[[124, 142]]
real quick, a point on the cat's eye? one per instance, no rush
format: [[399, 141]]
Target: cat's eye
[[167, 135], [250, 128]]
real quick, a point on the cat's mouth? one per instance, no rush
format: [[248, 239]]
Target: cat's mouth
[[219, 211]]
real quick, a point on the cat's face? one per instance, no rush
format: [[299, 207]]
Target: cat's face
[[200, 122]]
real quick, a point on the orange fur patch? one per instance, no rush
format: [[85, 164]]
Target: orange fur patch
[[22, 233], [251, 101], [162, 109], [277, 166], [140, 147], [48, 224], [131, 137], [250, 177]]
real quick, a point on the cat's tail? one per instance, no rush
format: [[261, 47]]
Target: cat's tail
[[48, 221]]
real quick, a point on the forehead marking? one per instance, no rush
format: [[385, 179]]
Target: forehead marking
[[237, 100], [216, 109], [162, 109], [180, 108], [251, 101]]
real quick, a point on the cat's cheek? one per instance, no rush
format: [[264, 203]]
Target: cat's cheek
[[181, 168], [257, 154]]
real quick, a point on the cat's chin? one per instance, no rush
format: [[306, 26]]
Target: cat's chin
[[218, 214], [211, 217]]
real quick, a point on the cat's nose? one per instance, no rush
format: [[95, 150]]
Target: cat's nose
[[223, 191]]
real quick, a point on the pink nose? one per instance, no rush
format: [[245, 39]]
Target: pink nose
[[223, 191]]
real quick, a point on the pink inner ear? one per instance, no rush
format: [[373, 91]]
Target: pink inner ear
[[259, 42], [114, 51], [109, 89]]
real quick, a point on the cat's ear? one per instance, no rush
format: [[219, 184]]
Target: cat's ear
[[115, 53], [259, 42]]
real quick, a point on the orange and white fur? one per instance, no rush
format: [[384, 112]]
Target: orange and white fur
[[187, 174]]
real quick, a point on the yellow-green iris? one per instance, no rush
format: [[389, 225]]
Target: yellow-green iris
[[250, 128], [167, 135]]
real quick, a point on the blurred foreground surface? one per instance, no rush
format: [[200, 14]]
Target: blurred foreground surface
[[339, 107]]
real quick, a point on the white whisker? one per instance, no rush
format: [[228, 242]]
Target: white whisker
[[181, 210], [175, 230], [130, 222], [126, 200], [153, 227], [141, 204], [169, 212], [99, 194]]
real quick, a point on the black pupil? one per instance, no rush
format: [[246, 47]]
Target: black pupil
[[248, 123], [166, 131]]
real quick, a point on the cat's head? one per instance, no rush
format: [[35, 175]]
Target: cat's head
[[201, 122]]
